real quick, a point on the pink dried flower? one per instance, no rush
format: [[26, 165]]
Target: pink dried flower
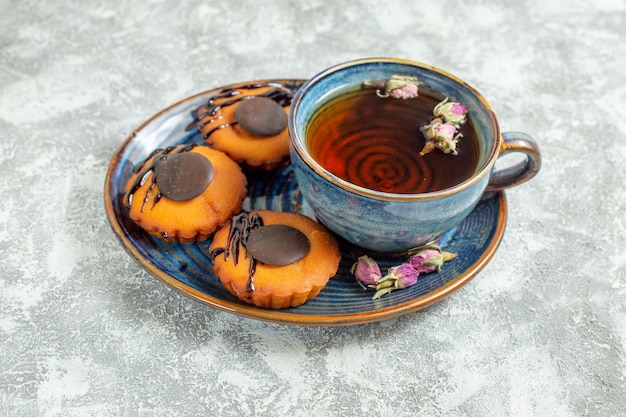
[[402, 87], [398, 277], [406, 92], [445, 130], [451, 112], [404, 275], [430, 259], [440, 135], [366, 271]]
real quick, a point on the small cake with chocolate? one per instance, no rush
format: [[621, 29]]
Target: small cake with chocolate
[[274, 259], [249, 124], [184, 193]]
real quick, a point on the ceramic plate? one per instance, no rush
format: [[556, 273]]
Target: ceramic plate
[[187, 268]]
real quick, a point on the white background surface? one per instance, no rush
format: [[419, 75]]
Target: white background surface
[[85, 331]]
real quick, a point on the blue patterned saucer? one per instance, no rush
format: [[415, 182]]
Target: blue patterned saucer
[[187, 268]]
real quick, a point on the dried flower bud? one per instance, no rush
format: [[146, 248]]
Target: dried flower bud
[[451, 112], [446, 131], [404, 274], [402, 87], [430, 259], [443, 136], [366, 271], [427, 260], [398, 277]]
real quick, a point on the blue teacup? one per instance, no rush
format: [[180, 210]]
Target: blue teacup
[[387, 222]]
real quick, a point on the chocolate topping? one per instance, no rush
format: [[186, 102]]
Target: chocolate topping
[[148, 170], [277, 244], [184, 176], [240, 229], [261, 116]]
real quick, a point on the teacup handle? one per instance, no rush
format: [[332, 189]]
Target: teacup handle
[[521, 171]]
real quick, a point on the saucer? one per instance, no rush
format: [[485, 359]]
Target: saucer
[[187, 268]]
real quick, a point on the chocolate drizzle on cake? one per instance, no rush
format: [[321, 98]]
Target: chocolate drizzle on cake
[[274, 244], [194, 174], [211, 113], [240, 229]]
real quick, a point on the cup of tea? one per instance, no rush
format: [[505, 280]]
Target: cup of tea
[[373, 159]]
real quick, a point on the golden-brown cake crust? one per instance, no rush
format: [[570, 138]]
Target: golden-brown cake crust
[[277, 286], [219, 128], [192, 220]]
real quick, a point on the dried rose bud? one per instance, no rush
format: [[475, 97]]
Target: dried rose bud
[[402, 87], [451, 112], [430, 259], [445, 130], [398, 277], [404, 274], [443, 136], [366, 271]]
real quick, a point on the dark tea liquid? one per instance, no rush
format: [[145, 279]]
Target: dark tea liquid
[[375, 143]]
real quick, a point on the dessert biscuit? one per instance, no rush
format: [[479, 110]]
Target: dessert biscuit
[[184, 193], [274, 259]]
